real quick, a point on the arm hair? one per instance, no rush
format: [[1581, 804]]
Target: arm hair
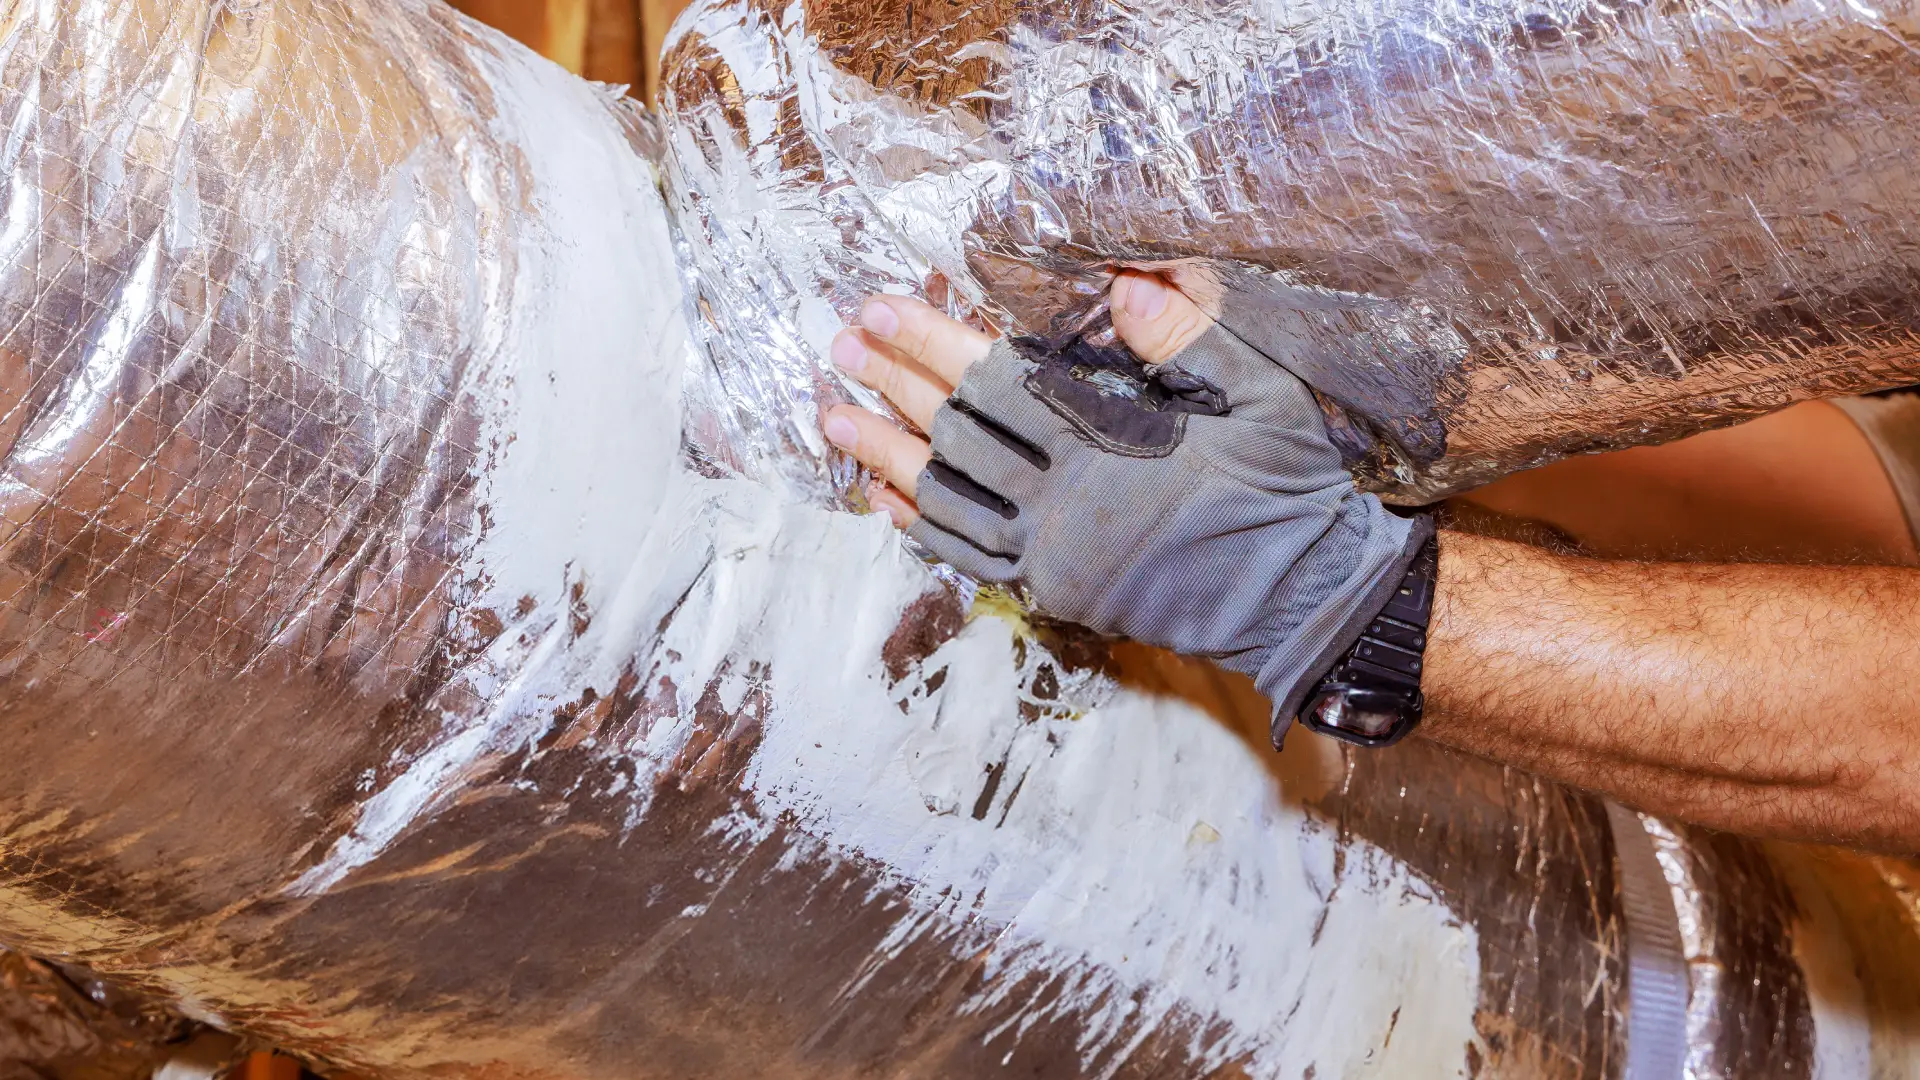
[[1770, 700]]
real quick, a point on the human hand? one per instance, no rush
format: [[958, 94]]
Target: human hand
[[1195, 502], [915, 356]]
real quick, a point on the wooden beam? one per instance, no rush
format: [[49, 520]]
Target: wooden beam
[[567, 25], [614, 52], [655, 17], [601, 39]]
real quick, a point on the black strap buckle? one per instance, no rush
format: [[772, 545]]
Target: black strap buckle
[[1364, 716], [1372, 696]]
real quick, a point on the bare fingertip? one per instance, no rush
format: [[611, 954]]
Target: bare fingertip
[[841, 432], [1143, 296], [877, 499], [884, 498], [849, 353], [879, 318]]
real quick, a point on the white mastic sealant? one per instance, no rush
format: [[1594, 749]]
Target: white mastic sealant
[[583, 419], [1137, 858]]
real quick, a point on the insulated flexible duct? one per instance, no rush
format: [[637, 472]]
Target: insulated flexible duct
[[392, 665], [1488, 232]]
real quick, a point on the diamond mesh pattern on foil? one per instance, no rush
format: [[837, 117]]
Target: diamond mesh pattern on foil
[[257, 281]]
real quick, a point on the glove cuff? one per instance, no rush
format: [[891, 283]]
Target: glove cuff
[[1287, 678]]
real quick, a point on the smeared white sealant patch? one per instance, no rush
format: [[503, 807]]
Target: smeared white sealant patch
[[1136, 870], [1082, 861], [583, 423]]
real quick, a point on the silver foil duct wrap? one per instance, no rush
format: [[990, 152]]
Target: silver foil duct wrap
[[66, 1024], [1489, 233], [378, 675]]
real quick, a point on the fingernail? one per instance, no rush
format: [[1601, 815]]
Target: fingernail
[[842, 433], [1146, 297], [880, 318], [875, 489], [849, 355]]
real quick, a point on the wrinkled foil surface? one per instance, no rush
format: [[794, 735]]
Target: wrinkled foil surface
[[381, 677], [66, 1024], [1488, 233]]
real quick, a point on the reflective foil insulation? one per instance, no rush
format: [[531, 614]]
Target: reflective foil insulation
[[429, 642], [66, 1024], [1487, 232]]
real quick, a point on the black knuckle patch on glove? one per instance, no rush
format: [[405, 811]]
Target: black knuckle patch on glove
[[1026, 451], [1115, 401], [969, 489]]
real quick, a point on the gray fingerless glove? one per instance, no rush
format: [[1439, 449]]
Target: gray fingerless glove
[[1198, 505]]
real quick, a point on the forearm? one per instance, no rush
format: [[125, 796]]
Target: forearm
[[1779, 700]]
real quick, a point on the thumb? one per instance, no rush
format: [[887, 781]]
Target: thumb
[[1155, 318]]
